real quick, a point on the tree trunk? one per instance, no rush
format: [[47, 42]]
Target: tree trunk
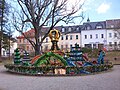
[[37, 49], [0, 49], [9, 47]]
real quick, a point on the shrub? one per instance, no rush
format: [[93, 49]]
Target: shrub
[[91, 52]]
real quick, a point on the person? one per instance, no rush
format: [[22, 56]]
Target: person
[[101, 57]]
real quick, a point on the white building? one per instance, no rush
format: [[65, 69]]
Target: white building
[[93, 34], [5, 53], [113, 34], [70, 35], [101, 34]]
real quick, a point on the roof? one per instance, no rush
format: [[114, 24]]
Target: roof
[[29, 33], [115, 23], [77, 28], [69, 29], [93, 25], [74, 29]]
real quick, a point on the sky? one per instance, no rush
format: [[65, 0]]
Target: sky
[[97, 10], [101, 10]]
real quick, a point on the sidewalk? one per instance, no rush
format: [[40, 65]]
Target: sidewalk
[[104, 81]]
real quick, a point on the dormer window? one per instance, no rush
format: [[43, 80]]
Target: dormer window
[[77, 29], [63, 29], [69, 29], [98, 27], [88, 27], [112, 26]]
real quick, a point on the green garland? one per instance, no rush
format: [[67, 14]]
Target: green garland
[[31, 70]]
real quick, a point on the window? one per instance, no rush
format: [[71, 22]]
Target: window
[[85, 36], [94, 45], [77, 29], [46, 48], [41, 48], [62, 38], [23, 40], [69, 29], [102, 35], [71, 46], [61, 46], [98, 27], [119, 44], [27, 41], [90, 36], [110, 34], [88, 45], [115, 43], [66, 46], [115, 34], [76, 36], [96, 35], [100, 46], [66, 37], [63, 29], [20, 40], [46, 40], [27, 47], [110, 43], [88, 27], [32, 48], [70, 37], [112, 26]]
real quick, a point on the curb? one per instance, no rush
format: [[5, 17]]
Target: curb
[[116, 64]]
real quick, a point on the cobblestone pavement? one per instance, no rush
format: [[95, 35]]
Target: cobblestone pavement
[[104, 81]]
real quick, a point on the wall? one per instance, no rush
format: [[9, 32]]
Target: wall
[[93, 40]]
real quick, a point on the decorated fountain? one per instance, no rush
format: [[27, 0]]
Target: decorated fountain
[[57, 62]]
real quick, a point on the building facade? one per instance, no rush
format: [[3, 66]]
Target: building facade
[[90, 34], [113, 34], [93, 34], [5, 52], [70, 35], [101, 34]]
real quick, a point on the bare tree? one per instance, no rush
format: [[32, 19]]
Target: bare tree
[[4, 12], [40, 13], [8, 38]]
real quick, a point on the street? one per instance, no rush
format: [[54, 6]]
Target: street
[[109, 80]]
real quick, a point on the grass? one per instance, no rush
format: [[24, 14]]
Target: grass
[[110, 56], [6, 61], [113, 56]]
